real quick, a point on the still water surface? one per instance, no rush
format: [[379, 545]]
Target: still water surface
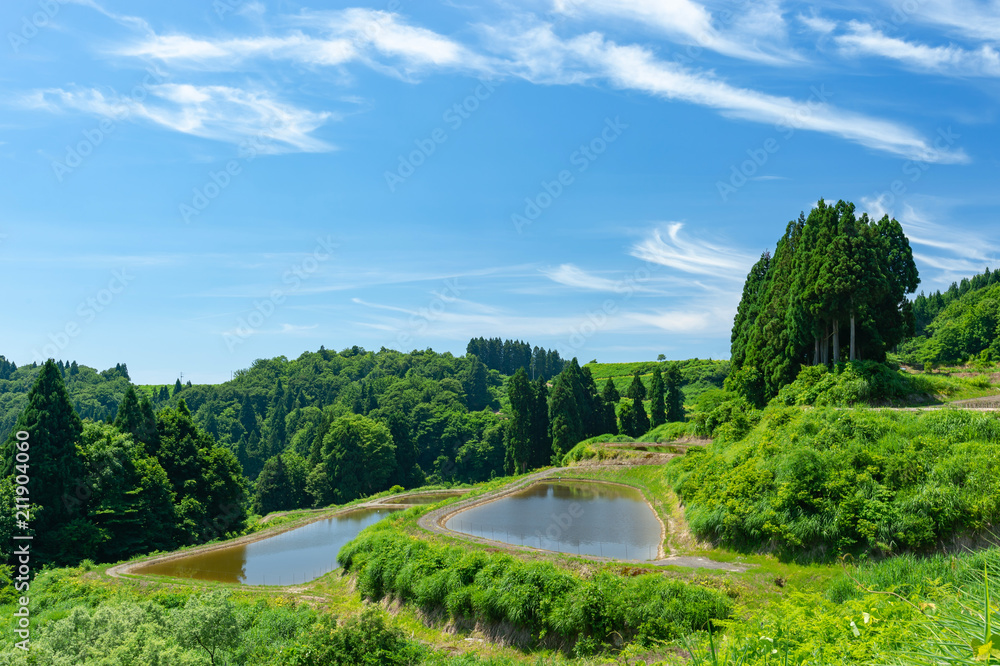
[[568, 517], [295, 556]]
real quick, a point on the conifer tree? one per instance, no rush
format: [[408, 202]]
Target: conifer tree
[[674, 397], [610, 393], [564, 414], [636, 390], [178, 387], [519, 433], [541, 439], [626, 419], [56, 469], [657, 410], [273, 489]]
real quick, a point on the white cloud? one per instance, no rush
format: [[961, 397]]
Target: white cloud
[[364, 35], [946, 247], [864, 40], [221, 113], [693, 23], [573, 276], [540, 56], [699, 257], [971, 18], [818, 24], [531, 50]]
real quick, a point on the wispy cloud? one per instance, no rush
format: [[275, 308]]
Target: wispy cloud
[[221, 113], [864, 40], [539, 55], [573, 276], [971, 18], [698, 257], [818, 24], [955, 253], [380, 39], [691, 22]]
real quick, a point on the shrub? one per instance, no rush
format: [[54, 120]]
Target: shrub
[[536, 596]]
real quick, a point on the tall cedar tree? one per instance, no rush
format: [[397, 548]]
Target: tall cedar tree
[[477, 394], [541, 439], [627, 423], [56, 469], [657, 410], [835, 289], [637, 392], [610, 397], [519, 431], [564, 413], [273, 489], [674, 397], [276, 435]]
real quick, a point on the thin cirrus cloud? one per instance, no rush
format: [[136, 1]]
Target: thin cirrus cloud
[[864, 40], [573, 276], [539, 55], [347, 35], [952, 252], [524, 48], [691, 22], [978, 20], [222, 113], [693, 256]]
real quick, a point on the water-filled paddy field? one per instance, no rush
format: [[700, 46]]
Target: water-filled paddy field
[[295, 556], [586, 518]]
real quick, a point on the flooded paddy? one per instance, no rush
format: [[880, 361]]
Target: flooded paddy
[[295, 556], [585, 518]]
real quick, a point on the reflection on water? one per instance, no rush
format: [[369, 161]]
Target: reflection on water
[[295, 556], [568, 517]]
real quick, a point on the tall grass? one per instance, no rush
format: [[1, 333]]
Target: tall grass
[[816, 484], [537, 597]]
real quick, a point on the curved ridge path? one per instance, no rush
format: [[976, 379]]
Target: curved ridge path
[[433, 521]]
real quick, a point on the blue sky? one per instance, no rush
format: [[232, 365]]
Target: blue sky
[[189, 186]]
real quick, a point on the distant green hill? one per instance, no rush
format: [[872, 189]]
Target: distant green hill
[[698, 375], [966, 329], [95, 395]]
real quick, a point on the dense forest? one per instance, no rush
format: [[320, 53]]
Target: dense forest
[[143, 468]]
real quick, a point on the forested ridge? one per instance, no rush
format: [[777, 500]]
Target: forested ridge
[[154, 467]]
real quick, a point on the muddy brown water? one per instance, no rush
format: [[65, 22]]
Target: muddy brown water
[[568, 517], [295, 556]]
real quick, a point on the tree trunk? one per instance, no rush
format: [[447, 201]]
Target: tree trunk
[[853, 355], [836, 341], [826, 343], [816, 349]]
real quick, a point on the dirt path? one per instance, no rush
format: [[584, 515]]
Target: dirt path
[[434, 522]]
